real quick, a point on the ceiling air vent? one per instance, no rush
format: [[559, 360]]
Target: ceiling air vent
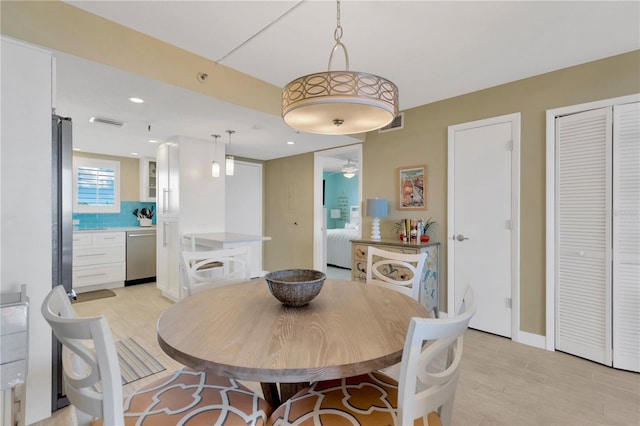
[[107, 121], [396, 124]]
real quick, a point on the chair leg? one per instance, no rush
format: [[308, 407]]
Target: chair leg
[[446, 412], [82, 418]]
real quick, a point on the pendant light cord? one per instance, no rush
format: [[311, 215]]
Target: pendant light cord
[[337, 36], [215, 146]]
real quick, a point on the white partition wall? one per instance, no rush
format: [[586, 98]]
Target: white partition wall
[[243, 205], [25, 202]]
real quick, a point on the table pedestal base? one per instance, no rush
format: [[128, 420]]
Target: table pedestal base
[[287, 390]]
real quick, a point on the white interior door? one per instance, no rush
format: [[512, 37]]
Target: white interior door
[[583, 234], [481, 219], [593, 231], [626, 236], [243, 204]]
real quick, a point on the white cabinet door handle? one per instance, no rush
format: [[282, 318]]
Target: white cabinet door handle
[[164, 234]]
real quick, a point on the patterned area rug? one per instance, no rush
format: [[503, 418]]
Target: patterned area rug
[[135, 361]]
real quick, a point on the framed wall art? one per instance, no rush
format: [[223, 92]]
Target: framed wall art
[[412, 188]]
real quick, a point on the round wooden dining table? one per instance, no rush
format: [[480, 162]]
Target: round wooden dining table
[[242, 331]]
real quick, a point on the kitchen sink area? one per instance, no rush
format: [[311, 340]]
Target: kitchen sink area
[[111, 257]]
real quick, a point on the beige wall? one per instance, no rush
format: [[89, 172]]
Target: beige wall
[[129, 174], [289, 212], [424, 141]]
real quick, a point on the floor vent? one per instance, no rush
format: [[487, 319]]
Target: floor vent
[[396, 124], [108, 121]]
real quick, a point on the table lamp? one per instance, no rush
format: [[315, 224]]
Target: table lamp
[[377, 208]]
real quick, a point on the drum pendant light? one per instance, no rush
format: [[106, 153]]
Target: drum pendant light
[[339, 102]]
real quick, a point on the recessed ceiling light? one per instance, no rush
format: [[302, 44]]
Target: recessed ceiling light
[[136, 100], [153, 141], [134, 153], [291, 143]]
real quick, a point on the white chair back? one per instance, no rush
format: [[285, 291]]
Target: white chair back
[[390, 270], [423, 389], [215, 268], [83, 368]]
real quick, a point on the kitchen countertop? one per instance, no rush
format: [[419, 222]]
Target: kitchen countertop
[[227, 237], [115, 229]]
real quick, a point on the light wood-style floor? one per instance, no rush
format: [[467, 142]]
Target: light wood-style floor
[[502, 383]]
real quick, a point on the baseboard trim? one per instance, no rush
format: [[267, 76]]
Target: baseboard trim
[[530, 339]]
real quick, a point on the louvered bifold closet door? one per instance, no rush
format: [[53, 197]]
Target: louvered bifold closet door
[[583, 275], [626, 237]]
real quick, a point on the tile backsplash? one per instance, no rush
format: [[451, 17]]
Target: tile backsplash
[[124, 219]]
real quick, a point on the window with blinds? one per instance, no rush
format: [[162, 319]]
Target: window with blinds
[[96, 185]]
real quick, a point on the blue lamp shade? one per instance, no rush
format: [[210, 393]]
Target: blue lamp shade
[[377, 207]]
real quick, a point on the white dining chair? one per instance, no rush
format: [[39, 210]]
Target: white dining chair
[[214, 268], [398, 271], [92, 381], [423, 395]]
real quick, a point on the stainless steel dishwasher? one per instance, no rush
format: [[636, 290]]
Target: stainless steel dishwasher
[[141, 256]]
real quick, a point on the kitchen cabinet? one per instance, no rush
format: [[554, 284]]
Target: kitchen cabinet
[[99, 260], [168, 179], [429, 289], [148, 184]]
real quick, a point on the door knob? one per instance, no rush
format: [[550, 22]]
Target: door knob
[[461, 237]]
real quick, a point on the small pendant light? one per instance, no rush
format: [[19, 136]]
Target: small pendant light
[[215, 165], [229, 162]]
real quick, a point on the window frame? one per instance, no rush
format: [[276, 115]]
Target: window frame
[[80, 162]]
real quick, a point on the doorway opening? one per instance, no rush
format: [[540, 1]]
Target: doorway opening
[[337, 204]]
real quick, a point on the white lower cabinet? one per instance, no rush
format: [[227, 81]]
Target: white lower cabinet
[[99, 260]]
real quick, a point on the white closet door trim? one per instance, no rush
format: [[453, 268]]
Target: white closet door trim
[[626, 236], [551, 197]]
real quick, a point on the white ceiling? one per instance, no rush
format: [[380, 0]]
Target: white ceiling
[[431, 50]]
